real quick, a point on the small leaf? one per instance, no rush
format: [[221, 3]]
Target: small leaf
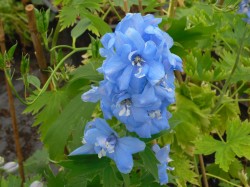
[[150, 162], [80, 28], [11, 52], [33, 80], [101, 26]]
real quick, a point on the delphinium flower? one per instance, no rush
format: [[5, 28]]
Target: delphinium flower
[[138, 72], [245, 9], [100, 139], [162, 155]]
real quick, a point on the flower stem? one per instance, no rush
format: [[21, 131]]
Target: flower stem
[[217, 177]]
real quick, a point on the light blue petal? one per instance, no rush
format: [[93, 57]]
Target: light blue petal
[[103, 126], [156, 72], [163, 154], [92, 95], [146, 99], [139, 114], [125, 78], [132, 145], [123, 160], [108, 40], [143, 131], [113, 65], [149, 50], [156, 148], [85, 149], [136, 38], [162, 172], [91, 135]]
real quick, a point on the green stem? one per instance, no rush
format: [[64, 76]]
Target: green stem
[[217, 177], [54, 42], [236, 91], [52, 74], [171, 8], [227, 83], [44, 88], [218, 133], [117, 14]]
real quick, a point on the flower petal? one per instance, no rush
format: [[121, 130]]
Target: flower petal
[[124, 79], [132, 145], [136, 38], [85, 149], [123, 160]]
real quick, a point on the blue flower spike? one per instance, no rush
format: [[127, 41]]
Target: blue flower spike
[[102, 140], [138, 72], [162, 155]]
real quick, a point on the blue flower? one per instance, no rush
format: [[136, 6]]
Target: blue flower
[[162, 155], [138, 75], [137, 49], [100, 139], [245, 9]]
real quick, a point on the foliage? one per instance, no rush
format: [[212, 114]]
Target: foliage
[[207, 119]]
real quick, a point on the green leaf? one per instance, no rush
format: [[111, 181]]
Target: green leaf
[[80, 28], [126, 179], [87, 71], [33, 80], [42, 20], [68, 16], [37, 163], [11, 52], [237, 144], [183, 171], [150, 162], [75, 112], [96, 21], [85, 165], [10, 181], [109, 177]]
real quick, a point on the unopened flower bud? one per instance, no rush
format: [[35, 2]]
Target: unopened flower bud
[[36, 184], [10, 167]]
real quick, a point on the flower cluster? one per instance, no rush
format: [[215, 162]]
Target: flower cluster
[[245, 9], [138, 87], [138, 73]]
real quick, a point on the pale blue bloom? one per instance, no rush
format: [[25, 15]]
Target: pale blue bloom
[[137, 48], [100, 139], [162, 155], [245, 9]]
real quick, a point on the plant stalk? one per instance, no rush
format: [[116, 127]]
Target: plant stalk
[[13, 113], [125, 2], [37, 43], [203, 171]]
